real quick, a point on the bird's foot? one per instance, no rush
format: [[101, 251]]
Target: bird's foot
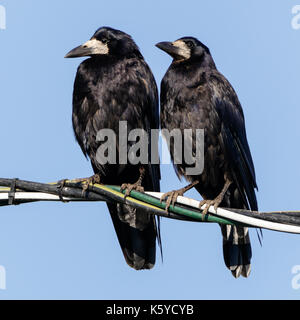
[[172, 196], [85, 182], [216, 202], [129, 187]]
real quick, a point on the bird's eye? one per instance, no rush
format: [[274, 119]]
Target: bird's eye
[[104, 41], [190, 44]]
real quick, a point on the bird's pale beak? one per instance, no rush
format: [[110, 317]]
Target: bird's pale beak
[[91, 47], [169, 48]]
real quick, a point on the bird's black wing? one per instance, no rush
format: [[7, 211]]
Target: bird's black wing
[[236, 241], [83, 110], [151, 109], [234, 137]]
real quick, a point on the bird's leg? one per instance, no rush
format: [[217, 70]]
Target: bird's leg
[[217, 201], [173, 195], [136, 186]]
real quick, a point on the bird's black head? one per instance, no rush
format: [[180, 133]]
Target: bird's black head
[[186, 49], [107, 42]]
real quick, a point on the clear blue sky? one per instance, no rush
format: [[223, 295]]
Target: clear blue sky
[[70, 251]]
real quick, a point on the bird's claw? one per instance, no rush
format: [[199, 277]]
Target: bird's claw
[[216, 202], [129, 187], [171, 197], [87, 181]]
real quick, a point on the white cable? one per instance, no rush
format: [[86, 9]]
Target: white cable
[[35, 196], [255, 222]]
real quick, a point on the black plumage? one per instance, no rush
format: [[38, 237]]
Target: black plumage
[[116, 84], [195, 95]]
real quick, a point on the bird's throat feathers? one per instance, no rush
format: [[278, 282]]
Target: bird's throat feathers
[[206, 61]]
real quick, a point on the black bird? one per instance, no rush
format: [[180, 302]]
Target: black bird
[[116, 84], [195, 95]]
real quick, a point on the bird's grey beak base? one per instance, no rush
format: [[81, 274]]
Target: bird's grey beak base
[[80, 51], [168, 47]]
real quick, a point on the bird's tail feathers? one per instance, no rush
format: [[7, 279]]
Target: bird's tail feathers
[[237, 250], [136, 234]]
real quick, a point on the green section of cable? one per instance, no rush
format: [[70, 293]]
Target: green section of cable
[[176, 209]]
